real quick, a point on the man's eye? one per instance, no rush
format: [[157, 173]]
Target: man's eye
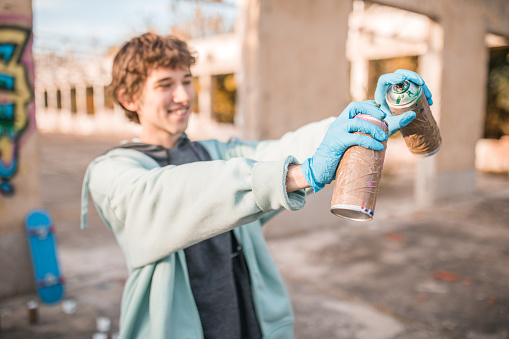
[[187, 82]]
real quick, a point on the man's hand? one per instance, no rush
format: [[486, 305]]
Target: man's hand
[[384, 82], [320, 169]]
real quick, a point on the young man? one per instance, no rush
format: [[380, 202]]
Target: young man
[[188, 215]]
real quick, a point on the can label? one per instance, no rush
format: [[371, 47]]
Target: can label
[[422, 135], [358, 179]]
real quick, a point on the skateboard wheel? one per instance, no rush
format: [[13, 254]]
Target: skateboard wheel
[[50, 279]]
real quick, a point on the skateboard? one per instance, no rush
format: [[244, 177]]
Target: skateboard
[[43, 249]]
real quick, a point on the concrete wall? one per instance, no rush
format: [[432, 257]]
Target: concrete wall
[[294, 68], [18, 149], [493, 155], [459, 69]]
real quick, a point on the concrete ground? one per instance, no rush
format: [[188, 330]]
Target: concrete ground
[[439, 273]]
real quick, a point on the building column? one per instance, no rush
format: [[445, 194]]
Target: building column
[[205, 96], [39, 98], [459, 104], [20, 176], [359, 64], [290, 76], [81, 99], [66, 98], [98, 97], [52, 98], [359, 78]]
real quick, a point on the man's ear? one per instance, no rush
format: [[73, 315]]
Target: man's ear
[[126, 100]]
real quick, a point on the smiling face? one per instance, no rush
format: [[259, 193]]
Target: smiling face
[[164, 105]]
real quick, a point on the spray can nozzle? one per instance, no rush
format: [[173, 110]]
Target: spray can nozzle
[[402, 87]]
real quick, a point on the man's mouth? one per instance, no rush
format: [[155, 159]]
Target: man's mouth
[[179, 111]]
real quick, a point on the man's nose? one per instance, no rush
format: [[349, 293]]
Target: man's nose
[[181, 94]]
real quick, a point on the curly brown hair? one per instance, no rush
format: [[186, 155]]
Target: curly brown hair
[[139, 56]]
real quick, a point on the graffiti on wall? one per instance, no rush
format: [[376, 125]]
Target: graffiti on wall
[[16, 93]]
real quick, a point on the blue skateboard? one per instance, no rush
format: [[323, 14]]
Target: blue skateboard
[[43, 249]]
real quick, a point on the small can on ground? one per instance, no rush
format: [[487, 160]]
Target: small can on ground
[[358, 179], [103, 324], [422, 135], [33, 312], [69, 306]]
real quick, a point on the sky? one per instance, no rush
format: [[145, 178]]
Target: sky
[[90, 25]]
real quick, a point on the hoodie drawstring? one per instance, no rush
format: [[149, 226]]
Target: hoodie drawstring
[[84, 197]]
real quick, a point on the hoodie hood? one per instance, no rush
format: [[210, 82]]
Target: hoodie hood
[[145, 160]]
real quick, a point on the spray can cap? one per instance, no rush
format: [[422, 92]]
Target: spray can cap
[[403, 93]]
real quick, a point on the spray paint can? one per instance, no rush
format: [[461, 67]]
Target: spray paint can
[[358, 178], [422, 135], [33, 312]]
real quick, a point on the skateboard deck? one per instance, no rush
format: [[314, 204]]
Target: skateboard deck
[[43, 249]]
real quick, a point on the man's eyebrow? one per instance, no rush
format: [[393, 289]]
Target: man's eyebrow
[[188, 75], [164, 79]]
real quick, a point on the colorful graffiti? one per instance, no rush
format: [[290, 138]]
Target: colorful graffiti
[[15, 95]]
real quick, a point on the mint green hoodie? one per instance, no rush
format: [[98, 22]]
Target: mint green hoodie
[[155, 212]]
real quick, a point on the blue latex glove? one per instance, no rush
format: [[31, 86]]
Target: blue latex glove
[[320, 169], [384, 82]]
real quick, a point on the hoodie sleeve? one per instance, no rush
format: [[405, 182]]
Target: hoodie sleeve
[[301, 144], [157, 211]]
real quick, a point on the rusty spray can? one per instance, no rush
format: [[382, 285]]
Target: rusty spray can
[[422, 135], [358, 178]]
